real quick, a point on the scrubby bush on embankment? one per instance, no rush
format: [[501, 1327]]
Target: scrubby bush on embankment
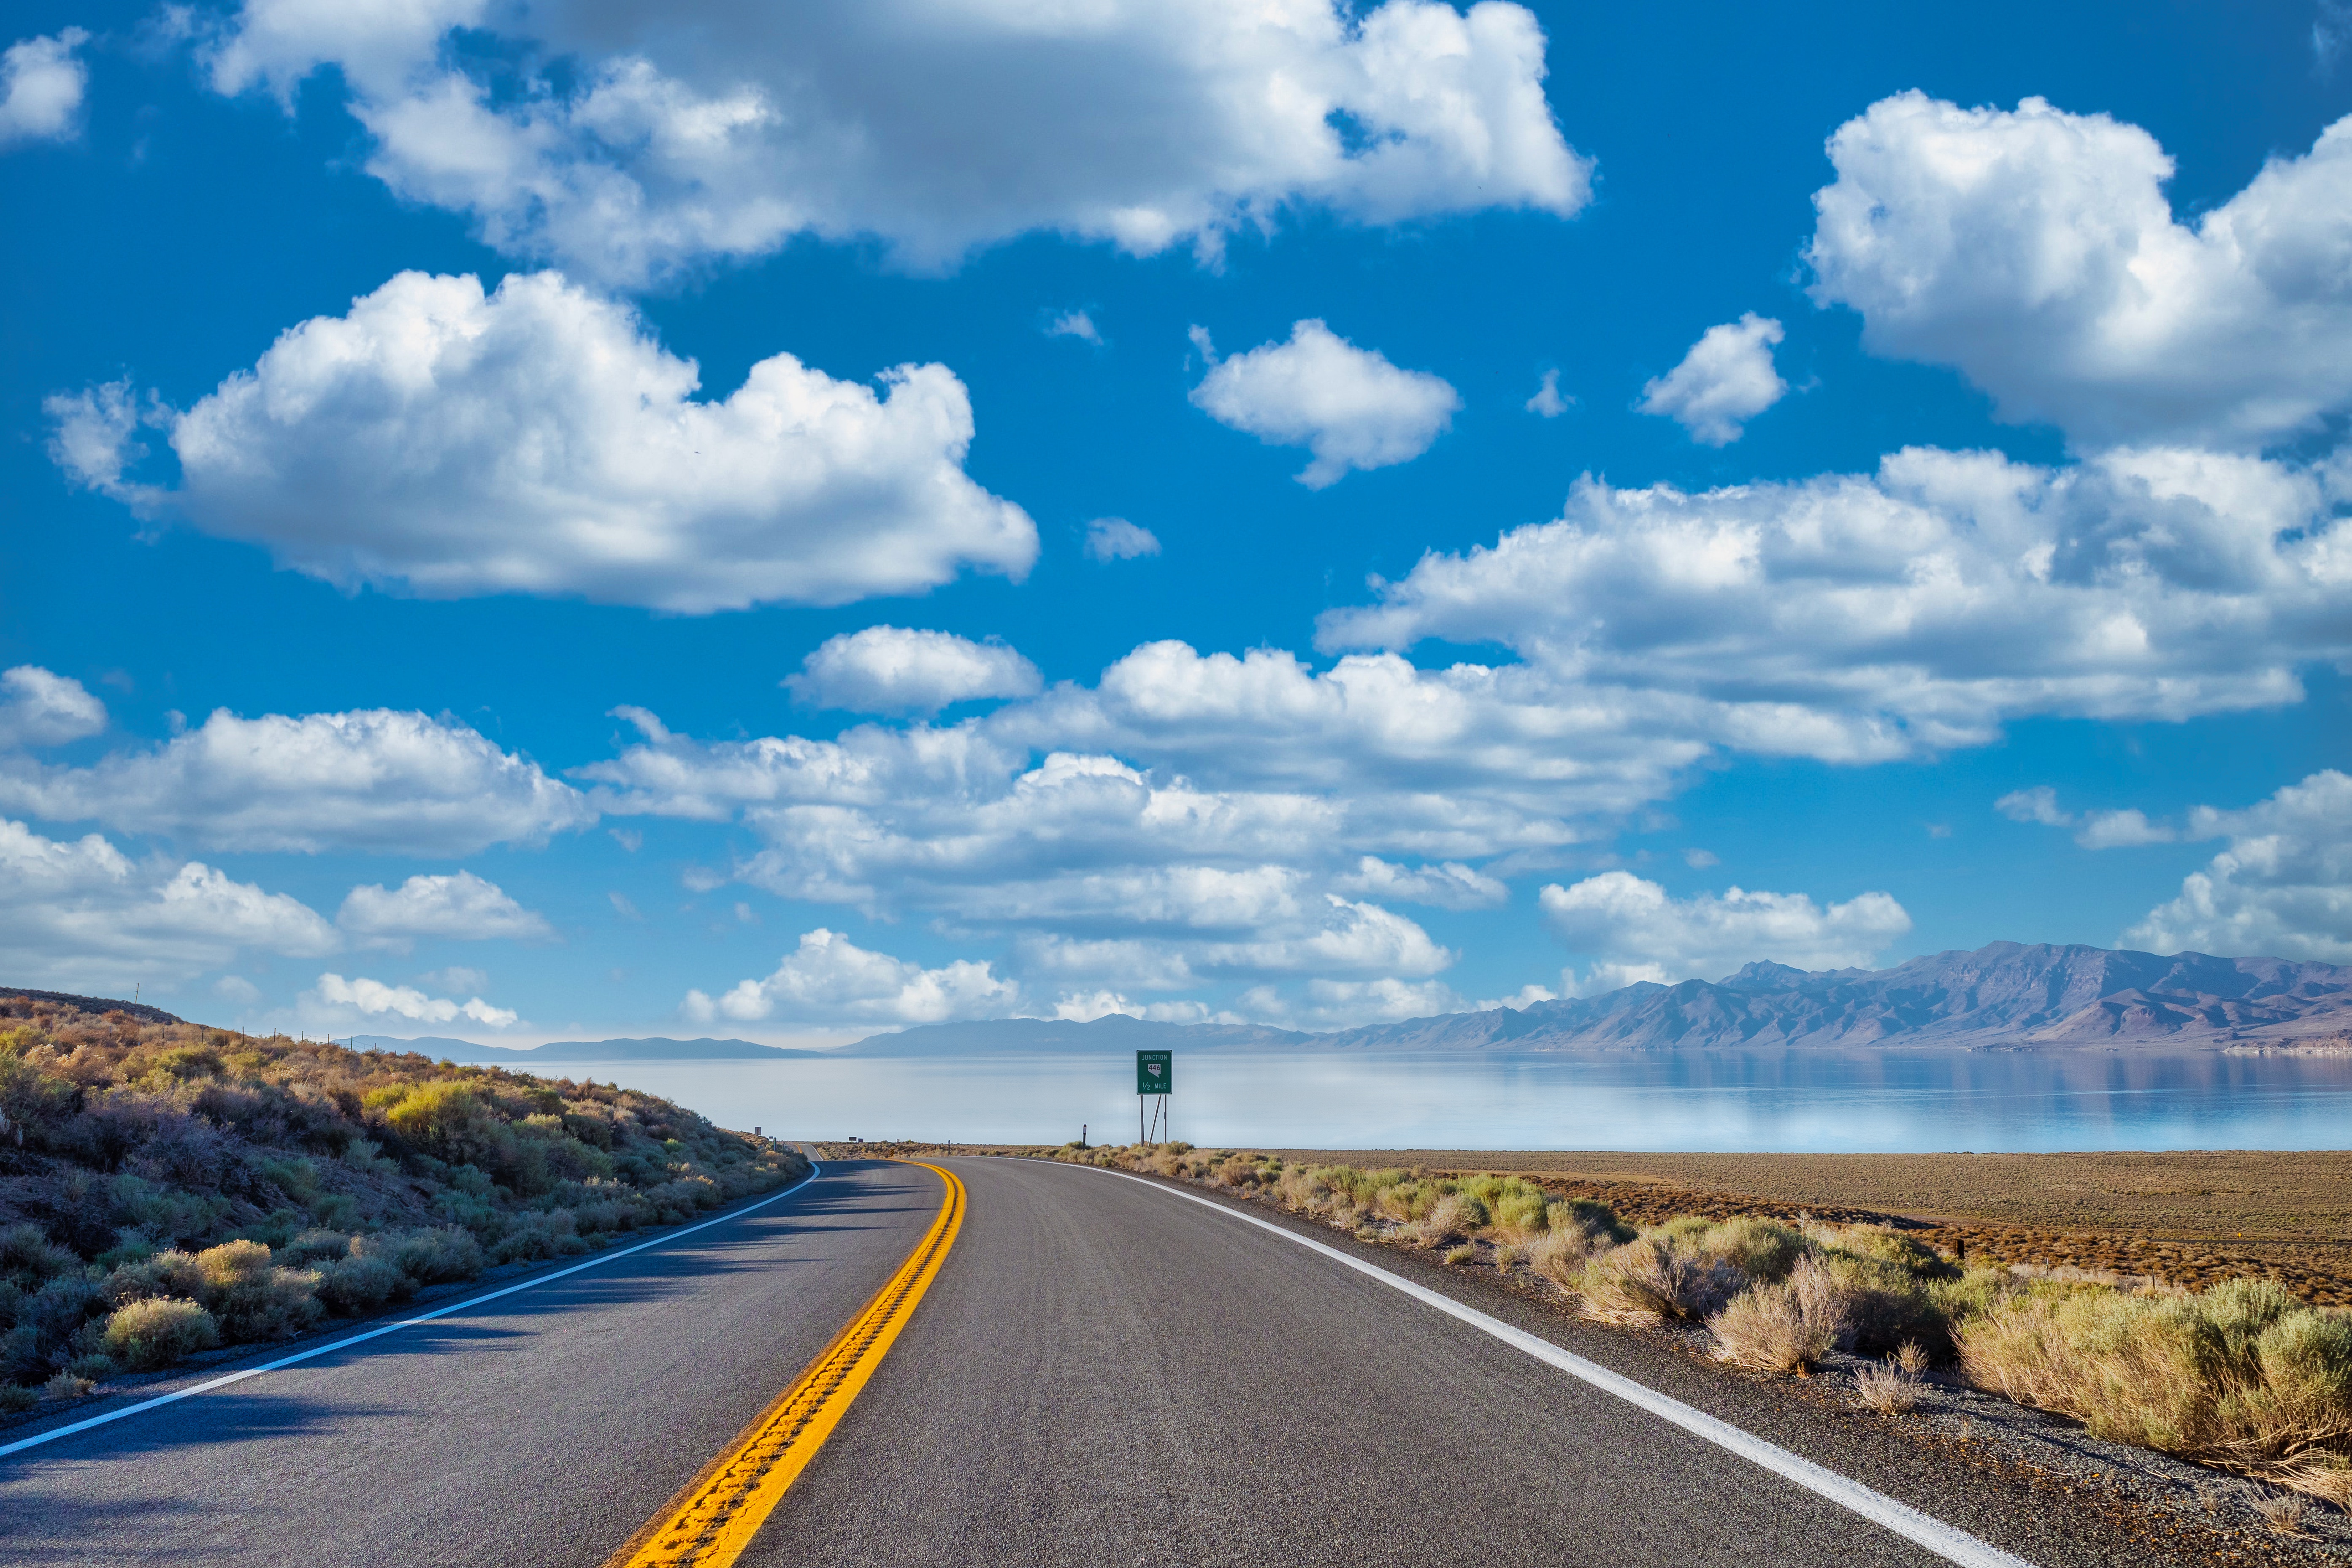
[[166, 1188], [2245, 1377]]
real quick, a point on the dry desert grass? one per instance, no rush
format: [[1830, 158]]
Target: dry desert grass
[[2193, 1218]]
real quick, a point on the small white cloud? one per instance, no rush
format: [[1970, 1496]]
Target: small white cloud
[[2039, 803], [1700, 860], [1725, 380], [1450, 886], [894, 669], [1548, 402], [1635, 930], [829, 977], [41, 87], [2099, 829], [374, 999], [1074, 324], [2121, 830], [1116, 539], [93, 437], [38, 709], [1348, 406], [2281, 888], [457, 977], [622, 906], [536, 439], [460, 908], [628, 838]]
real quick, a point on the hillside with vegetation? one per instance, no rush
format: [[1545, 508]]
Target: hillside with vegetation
[[166, 1188]]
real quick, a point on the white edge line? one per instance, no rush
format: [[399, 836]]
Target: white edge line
[[1947, 1542], [51, 1436]]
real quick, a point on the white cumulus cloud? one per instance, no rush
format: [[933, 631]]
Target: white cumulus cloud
[[1854, 619], [892, 669], [537, 439], [1348, 406], [460, 906], [38, 707], [2034, 251], [2282, 888], [1635, 929], [42, 80], [80, 915], [376, 779], [637, 141], [1074, 324], [374, 999], [829, 977], [1725, 380]]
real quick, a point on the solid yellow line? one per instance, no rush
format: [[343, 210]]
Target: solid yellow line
[[710, 1522]]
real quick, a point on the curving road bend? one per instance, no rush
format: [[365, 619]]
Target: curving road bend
[[1102, 1373]]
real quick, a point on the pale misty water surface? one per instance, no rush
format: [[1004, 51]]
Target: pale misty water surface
[[1791, 1100]]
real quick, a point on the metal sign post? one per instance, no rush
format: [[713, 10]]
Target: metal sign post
[[1155, 1076]]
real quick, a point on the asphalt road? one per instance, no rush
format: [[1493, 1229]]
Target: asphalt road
[[1103, 1374], [539, 1429]]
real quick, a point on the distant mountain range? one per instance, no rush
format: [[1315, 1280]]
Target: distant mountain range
[[2008, 995], [2005, 996]]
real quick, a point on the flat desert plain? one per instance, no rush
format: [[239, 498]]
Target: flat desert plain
[[2192, 1217]]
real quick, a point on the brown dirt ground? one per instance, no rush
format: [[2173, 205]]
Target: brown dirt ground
[[2196, 1218]]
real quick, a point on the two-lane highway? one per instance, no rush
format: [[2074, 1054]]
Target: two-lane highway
[[1102, 1373]]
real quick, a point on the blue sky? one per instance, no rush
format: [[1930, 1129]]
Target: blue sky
[[1383, 510]]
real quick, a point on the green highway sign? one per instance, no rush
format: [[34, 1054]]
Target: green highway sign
[[1155, 1071]]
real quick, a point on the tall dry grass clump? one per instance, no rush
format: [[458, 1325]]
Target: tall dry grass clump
[[2243, 1376], [1784, 1325], [1655, 1278]]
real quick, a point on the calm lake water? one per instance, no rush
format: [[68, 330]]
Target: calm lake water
[[1790, 1100]]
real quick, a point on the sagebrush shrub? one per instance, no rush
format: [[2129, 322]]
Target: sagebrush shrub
[[2244, 1376], [357, 1285], [429, 1256], [1783, 1325], [1760, 1248], [255, 1297], [155, 1331], [1655, 1277]]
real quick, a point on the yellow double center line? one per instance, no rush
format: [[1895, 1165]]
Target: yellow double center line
[[713, 1518]]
